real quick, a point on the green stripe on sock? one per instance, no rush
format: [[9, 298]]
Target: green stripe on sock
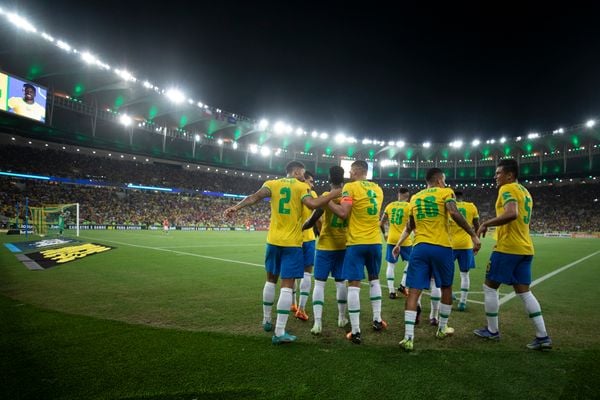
[[304, 293], [491, 314], [317, 302], [409, 322], [436, 298], [283, 311], [375, 298], [265, 303], [535, 314], [464, 290], [444, 315], [390, 279], [342, 301], [354, 311]]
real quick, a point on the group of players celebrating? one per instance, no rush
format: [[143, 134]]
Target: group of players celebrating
[[348, 219]]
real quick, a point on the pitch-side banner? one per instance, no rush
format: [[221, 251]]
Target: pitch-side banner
[[45, 259]]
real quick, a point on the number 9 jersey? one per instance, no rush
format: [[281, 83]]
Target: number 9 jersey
[[363, 223], [428, 208], [514, 238]]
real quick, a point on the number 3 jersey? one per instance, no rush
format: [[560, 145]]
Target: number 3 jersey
[[428, 208], [285, 228], [363, 222], [514, 238]]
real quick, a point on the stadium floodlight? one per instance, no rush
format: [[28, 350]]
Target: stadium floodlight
[[220, 142], [475, 142], [502, 140], [288, 129], [324, 135], [314, 134], [518, 138], [88, 58], [253, 148], [20, 22], [47, 37], [265, 151], [175, 95], [197, 137], [200, 104], [64, 45], [279, 127], [263, 124], [340, 138], [457, 144], [400, 143], [590, 123], [366, 141], [234, 145], [299, 131], [126, 76], [352, 140], [533, 135], [191, 101], [125, 120], [391, 143], [148, 85], [427, 144]]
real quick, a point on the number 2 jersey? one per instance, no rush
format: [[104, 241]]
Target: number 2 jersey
[[514, 238], [428, 208], [363, 222], [285, 228]]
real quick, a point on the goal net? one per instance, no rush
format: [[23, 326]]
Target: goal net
[[55, 219]]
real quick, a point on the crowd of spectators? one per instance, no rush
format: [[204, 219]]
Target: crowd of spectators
[[562, 207]]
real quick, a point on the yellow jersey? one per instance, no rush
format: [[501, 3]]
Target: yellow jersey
[[21, 107], [397, 213], [285, 228], [333, 230], [428, 208], [308, 235], [514, 238], [461, 239], [363, 222]]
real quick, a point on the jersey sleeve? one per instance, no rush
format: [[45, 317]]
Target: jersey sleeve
[[347, 194], [475, 211], [269, 186], [507, 195], [448, 195]]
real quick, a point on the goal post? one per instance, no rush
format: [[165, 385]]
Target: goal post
[[55, 218]]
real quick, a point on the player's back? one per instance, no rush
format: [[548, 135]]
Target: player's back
[[333, 230], [461, 239], [514, 237], [285, 228], [363, 222], [397, 214], [428, 208]]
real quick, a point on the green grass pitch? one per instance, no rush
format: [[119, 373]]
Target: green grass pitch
[[178, 316]]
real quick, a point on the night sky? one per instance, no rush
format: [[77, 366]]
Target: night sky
[[368, 71]]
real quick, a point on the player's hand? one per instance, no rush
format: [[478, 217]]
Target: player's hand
[[229, 212], [396, 251], [336, 192], [476, 244], [482, 230]]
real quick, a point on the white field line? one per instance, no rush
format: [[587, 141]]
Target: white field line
[[191, 246], [549, 275]]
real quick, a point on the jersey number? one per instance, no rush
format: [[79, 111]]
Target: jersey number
[[397, 216], [427, 207], [527, 207], [286, 195], [336, 223], [372, 198], [463, 211]]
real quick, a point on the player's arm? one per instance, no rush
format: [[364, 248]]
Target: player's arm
[[410, 226], [476, 224], [312, 202], [382, 222], [511, 212], [262, 193], [462, 222], [312, 220]]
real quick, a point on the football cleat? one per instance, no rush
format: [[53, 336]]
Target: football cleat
[[407, 344], [444, 333], [285, 338], [379, 325], [301, 315], [293, 308], [433, 322], [316, 329], [462, 306], [486, 334], [404, 290], [544, 343], [268, 326], [353, 337], [393, 295], [342, 322]]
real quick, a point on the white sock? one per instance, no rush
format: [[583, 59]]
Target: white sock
[[409, 324], [465, 283], [403, 281], [354, 308], [492, 305], [305, 284], [341, 294], [436, 296], [535, 313], [268, 299], [445, 310], [389, 274], [375, 296], [318, 300], [283, 310]]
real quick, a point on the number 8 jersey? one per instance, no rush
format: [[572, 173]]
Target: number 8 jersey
[[285, 228], [363, 223], [428, 208], [514, 238]]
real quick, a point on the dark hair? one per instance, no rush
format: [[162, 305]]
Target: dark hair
[[292, 165], [336, 175], [510, 165], [432, 174], [308, 174], [458, 193], [361, 165], [30, 86], [402, 190]]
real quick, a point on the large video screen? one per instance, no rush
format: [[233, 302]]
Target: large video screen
[[347, 163], [22, 98]]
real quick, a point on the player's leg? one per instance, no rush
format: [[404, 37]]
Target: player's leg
[[322, 268], [417, 279], [308, 249], [389, 273], [443, 272], [497, 273], [466, 262], [436, 296], [373, 265], [291, 269], [354, 273], [272, 264], [405, 256], [341, 290]]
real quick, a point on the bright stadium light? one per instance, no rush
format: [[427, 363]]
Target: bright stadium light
[[220, 142], [533, 135], [263, 124], [234, 145], [366, 141], [253, 148], [314, 134], [427, 144], [20, 22], [475, 143], [352, 140], [279, 128], [88, 58], [502, 140], [590, 123], [324, 135], [126, 76], [197, 137], [265, 151], [340, 138], [299, 131], [125, 120], [48, 37], [400, 143], [64, 45], [175, 95], [457, 144], [288, 129]]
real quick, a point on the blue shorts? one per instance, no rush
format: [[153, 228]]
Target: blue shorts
[[510, 269], [308, 248], [427, 260], [404, 253], [466, 259], [329, 262], [358, 257], [284, 261]]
